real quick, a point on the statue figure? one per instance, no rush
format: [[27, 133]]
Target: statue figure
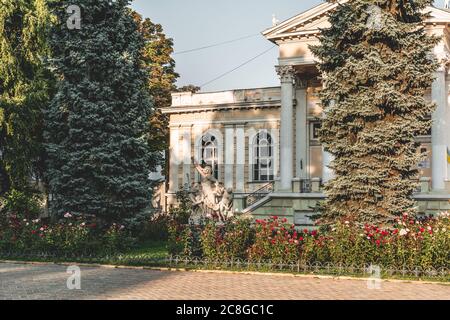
[[226, 204], [209, 196], [158, 193], [196, 198]]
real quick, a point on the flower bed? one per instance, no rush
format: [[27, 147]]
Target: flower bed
[[410, 243], [75, 235]]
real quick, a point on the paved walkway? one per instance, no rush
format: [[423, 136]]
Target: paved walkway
[[26, 281]]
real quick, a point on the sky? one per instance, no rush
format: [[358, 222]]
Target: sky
[[198, 23]]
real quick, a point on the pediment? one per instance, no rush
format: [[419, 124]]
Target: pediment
[[311, 21]]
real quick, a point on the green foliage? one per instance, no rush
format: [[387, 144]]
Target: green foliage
[[275, 241], [97, 124], [188, 88], [182, 212], [25, 89], [156, 228], [184, 239], [161, 78], [72, 235], [377, 65], [25, 205], [227, 241], [409, 243]]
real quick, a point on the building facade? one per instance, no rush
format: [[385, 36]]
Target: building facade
[[263, 143]]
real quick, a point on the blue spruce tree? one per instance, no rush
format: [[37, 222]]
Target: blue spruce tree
[[377, 63], [99, 160]]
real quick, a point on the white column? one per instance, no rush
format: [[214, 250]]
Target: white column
[[276, 158], [301, 130], [447, 121], [286, 74], [327, 173], [186, 156], [240, 158], [229, 155], [174, 159], [440, 131]]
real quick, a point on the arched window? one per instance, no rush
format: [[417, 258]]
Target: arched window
[[263, 157], [210, 154]]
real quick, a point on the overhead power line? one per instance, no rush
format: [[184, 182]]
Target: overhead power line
[[238, 67], [216, 44]]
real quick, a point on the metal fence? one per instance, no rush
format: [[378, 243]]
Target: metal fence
[[171, 261], [309, 268]]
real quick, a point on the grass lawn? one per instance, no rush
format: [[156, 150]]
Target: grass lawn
[[150, 249], [149, 253]]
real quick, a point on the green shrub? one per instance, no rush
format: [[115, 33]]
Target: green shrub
[[155, 229], [227, 241], [275, 240], [24, 204], [71, 235], [410, 243]]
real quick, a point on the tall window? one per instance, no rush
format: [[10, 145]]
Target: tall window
[[209, 153], [263, 157]]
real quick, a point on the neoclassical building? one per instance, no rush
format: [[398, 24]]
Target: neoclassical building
[[263, 144]]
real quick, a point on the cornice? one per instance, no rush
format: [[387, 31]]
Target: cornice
[[222, 107]]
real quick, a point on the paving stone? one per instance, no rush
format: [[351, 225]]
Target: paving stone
[[28, 281]]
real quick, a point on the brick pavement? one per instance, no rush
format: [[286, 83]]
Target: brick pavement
[[27, 281]]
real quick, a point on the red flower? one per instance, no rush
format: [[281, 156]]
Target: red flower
[[301, 238], [378, 243], [314, 233], [305, 230]]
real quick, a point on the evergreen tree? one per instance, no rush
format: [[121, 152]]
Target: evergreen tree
[[377, 65], [25, 90], [99, 159]]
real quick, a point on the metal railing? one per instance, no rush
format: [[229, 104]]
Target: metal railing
[[309, 267], [174, 261], [259, 194]]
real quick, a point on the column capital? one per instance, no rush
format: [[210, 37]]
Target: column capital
[[443, 61], [286, 73]]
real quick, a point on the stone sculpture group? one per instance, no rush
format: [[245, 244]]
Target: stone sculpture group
[[210, 198]]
